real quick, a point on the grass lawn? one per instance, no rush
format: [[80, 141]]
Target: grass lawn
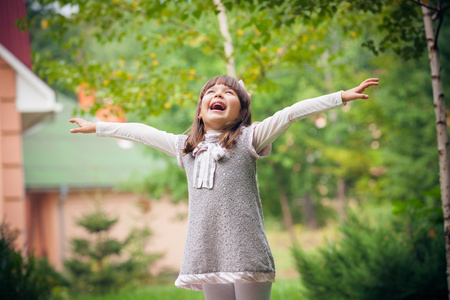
[[287, 285], [281, 290]]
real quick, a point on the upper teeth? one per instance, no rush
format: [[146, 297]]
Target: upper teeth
[[217, 106]]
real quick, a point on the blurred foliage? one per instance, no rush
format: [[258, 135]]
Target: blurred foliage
[[26, 278], [152, 57], [101, 264], [399, 256]]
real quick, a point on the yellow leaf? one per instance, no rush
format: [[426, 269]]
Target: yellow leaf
[[432, 233], [118, 73], [166, 105], [240, 31], [122, 63], [152, 55], [155, 62], [137, 63], [257, 32], [135, 4], [354, 34], [192, 71], [312, 47], [129, 76], [44, 24], [105, 82], [139, 76], [263, 49]]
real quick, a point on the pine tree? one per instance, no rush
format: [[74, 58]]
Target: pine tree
[[101, 263]]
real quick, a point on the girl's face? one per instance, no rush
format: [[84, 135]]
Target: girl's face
[[220, 106]]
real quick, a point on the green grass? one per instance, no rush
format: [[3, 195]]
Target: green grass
[[281, 290]]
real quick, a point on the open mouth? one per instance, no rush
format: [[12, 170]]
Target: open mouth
[[217, 106]]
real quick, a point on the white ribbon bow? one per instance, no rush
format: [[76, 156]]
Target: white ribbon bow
[[243, 86], [206, 156]]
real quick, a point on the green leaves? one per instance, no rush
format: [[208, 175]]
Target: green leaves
[[426, 210], [97, 222], [375, 258], [98, 265]]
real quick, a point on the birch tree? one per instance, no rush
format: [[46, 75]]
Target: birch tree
[[431, 14], [402, 33]]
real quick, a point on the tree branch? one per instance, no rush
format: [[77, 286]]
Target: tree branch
[[228, 44], [445, 8], [436, 35], [213, 46], [427, 6], [285, 49]]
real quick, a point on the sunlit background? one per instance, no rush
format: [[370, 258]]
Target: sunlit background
[[351, 197]]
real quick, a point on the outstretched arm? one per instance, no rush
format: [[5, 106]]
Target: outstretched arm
[[147, 135], [268, 130]]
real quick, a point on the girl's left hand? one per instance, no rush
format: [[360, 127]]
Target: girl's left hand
[[356, 93]]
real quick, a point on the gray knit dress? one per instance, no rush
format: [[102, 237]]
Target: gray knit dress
[[226, 240]]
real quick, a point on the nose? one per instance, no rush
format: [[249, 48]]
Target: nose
[[218, 95]]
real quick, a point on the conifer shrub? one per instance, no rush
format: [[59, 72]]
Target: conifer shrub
[[399, 257], [26, 277], [101, 264]]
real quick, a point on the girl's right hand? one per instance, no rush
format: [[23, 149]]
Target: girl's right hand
[[85, 126]]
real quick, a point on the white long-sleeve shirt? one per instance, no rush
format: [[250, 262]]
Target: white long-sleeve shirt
[[263, 135]]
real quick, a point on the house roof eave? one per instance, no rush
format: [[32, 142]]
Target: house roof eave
[[33, 95]]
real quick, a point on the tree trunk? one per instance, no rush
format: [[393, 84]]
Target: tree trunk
[[228, 44], [287, 216], [333, 116], [308, 212], [441, 128], [342, 203]]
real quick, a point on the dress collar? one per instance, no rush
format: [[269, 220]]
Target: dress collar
[[214, 132]]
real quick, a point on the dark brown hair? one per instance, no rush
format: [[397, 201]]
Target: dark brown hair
[[231, 130]]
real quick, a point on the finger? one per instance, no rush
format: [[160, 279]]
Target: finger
[[75, 130], [79, 121], [359, 96], [370, 80], [76, 120], [365, 85]]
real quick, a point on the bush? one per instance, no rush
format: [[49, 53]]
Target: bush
[[99, 264], [402, 257], [24, 278]]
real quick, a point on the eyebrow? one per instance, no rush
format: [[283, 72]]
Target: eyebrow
[[214, 87]]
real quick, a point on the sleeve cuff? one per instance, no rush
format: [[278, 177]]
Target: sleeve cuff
[[99, 129], [264, 152]]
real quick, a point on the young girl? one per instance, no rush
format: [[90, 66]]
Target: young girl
[[227, 254]]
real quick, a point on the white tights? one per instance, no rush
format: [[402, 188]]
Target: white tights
[[238, 291]]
